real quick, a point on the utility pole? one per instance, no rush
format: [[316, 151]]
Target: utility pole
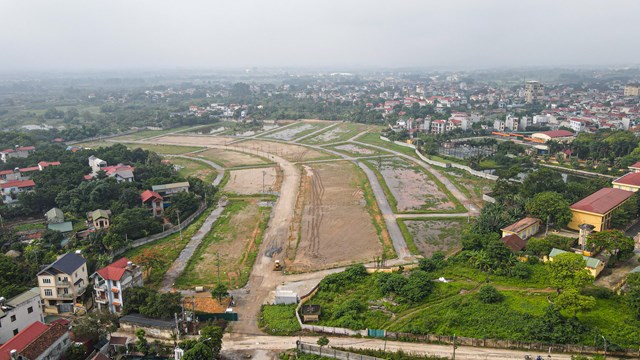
[[179, 224], [605, 347], [263, 174], [547, 230], [454, 347]]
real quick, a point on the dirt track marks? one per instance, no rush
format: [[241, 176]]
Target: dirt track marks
[[317, 211]]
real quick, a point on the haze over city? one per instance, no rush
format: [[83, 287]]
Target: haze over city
[[116, 35]]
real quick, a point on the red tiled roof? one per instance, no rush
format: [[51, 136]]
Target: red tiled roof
[[115, 270], [44, 341], [6, 172], [26, 148], [31, 168], [46, 163], [635, 166], [118, 340], [514, 242], [629, 179], [148, 194], [18, 184], [602, 201], [557, 133], [24, 338]]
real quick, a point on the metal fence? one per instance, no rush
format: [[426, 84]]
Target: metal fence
[[333, 353]]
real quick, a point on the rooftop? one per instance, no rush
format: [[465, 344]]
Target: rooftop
[[521, 224], [22, 340], [67, 264], [18, 184], [149, 194], [514, 242], [602, 201], [44, 341], [169, 186], [592, 263], [628, 179], [115, 270], [557, 133]]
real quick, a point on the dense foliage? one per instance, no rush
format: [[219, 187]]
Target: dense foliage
[[151, 303]]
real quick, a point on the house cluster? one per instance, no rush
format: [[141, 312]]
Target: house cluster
[[119, 172], [457, 120], [62, 285], [18, 180], [221, 110]]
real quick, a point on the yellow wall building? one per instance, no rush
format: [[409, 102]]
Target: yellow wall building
[[524, 228], [596, 209]]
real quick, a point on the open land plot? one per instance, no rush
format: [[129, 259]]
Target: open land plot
[[336, 227], [187, 140], [342, 132], [195, 168], [472, 186], [291, 152], [356, 150], [229, 158], [252, 181], [425, 237], [142, 134], [373, 138], [411, 189], [234, 238], [295, 131], [160, 149]]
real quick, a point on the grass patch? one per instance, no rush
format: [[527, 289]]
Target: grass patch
[[374, 139], [346, 132], [236, 236], [408, 237], [165, 149], [142, 134], [164, 251], [446, 235], [279, 319], [27, 227], [470, 185], [194, 168]]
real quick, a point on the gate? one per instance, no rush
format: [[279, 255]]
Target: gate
[[376, 333]]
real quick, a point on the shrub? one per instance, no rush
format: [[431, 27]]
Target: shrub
[[521, 271], [489, 295]]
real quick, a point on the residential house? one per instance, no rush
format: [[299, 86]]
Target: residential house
[[596, 209], [438, 126], [63, 283], [96, 164], [632, 90], [153, 200], [533, 92], [168, 190], [499, 125], [122, 173], [54, 216], [44, 164], [595, 266], [11, 189], [17, 152], [19, 312], [635, 167], [99, 219], [111, 281], [511, 123], [579, 125], [38, 342], [524, 228], [514, 242]]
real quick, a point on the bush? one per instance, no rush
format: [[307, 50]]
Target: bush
[[490, 295], [598, 292], [521, 271]]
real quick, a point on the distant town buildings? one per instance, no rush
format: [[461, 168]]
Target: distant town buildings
[[632, 90], [533, 92]]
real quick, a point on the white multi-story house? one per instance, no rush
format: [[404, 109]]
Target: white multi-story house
[[578, 125], [438, 126], [63, 283], [11, 189], [111, 281], [511, 123], [19, 312], [96, 164]]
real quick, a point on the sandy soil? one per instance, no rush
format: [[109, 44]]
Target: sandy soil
[[249, 181], [228, 158], [430, 236], [328, 136], [413, 190], [292, 132], [335, 226], [187, 140], [287, 151], [355, 149]]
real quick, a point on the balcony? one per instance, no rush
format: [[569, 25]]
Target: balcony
[[64, 296], [63, 283], [102, 299]]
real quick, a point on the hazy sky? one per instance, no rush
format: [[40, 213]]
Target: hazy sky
[[159, 34]]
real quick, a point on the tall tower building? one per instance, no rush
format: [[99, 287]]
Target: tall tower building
[[533, 92]]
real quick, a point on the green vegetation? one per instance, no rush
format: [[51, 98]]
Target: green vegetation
[[143, 134], [165, 149], [32, 226], [374, 139], [346, 132], [443, 235], [279, 319], [194, 168]]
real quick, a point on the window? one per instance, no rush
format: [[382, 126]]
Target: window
[[13, 318], [30, 310], [48, 292], [46, 281], [116, 296], [15, 332]]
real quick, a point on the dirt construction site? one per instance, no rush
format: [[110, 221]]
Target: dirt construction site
[[334, 225]]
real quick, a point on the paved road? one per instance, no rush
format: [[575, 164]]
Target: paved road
[[180, 263], [232, 344]]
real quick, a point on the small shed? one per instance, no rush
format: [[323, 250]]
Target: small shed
[[310, 313], [286, 297]]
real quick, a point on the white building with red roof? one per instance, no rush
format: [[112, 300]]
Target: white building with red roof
[[17, 152], [112, 280], [154, 201], [557, 135], [11, 189], [37, 341]]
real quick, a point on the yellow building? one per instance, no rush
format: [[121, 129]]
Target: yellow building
[[594, 266], [524, 228], [628, 182], [632, 90], [596, 208]]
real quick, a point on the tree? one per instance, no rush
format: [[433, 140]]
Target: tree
[[572, 300], [323, 341], [567, 271], [220, 292], [75, 352], [199, 351], [542, 180], [212, 336], [95, 325], [550, 206], [615, 242], [632, 295], [489, 295], [142, 345], [418, 286]]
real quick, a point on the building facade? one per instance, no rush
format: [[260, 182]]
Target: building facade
[[110, 282], [533, 91], [19, 312], [63, 283]]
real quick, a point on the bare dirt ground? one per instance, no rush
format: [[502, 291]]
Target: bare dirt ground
[[431, 236], [328, 136], [336, 228], [355, 149], [228, 158], [289, 152], [412, 189], [292, 132], [186, 140], [250, 181]]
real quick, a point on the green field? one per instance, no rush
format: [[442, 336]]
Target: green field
[[374, 139], [279, 319], [143, 134], [194, 168], [313, 126], [339, 133], [424, 240], [160, 149]]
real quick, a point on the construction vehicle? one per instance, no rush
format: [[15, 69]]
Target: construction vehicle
[[277, 266]]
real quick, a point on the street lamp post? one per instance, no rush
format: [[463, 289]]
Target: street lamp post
[[605, 347]]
